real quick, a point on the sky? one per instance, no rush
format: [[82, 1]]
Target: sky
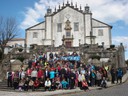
[[31, 12]]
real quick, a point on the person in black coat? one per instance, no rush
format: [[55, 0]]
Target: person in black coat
[[26, 84], [9, 78], [113, 75], [72, 79], [15, 81], [30, 63], [63, 72], [51, 55], [42, 81]]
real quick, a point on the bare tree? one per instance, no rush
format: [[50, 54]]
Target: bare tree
[[8, 31]]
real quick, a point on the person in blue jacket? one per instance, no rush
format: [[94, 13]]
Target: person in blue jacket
[[64, 84], [119, 75]]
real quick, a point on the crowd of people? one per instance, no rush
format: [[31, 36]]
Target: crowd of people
[[55, 74]]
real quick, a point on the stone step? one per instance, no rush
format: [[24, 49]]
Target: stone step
[[3, 83], [6, 89], [3, 86]]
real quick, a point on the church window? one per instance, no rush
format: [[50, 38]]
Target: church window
[[100, 32], [59, 27], [68, 34], [76, 26], [35, 35]]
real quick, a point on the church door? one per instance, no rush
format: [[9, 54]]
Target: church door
[[68, 44]]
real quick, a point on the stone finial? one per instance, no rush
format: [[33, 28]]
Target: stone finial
[[71, 3], [67, 2], [80, 7], [63, 2], [103, 44], [76, 5], [59, 6], [121, 44], [55, 8]]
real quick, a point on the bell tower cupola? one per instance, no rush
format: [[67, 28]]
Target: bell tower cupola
[[49, 11], [87, 9]]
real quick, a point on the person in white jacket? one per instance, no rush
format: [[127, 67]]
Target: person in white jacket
[[47, 84], [34, 74]]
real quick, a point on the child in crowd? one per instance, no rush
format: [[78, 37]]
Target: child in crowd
[[31, 82], [21, 85], [84, 85], [64, 84], [15, 81], [57, 80], [104, 83], [47, 84], [53, 85], [36, 84], [26, 86]]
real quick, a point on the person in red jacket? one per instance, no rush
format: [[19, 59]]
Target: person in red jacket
[[40, 73], [58, 68], [38, 66], [36, 84]]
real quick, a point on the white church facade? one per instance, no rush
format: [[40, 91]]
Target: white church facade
[[69, 26]]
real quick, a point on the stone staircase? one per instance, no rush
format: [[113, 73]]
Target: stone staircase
[[4, 87]]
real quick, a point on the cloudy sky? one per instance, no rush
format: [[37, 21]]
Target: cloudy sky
[[30, 12]]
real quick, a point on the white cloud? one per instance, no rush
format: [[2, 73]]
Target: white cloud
[[108, 11], [121, 39]]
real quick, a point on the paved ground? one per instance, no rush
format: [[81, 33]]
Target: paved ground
[[119, 90]]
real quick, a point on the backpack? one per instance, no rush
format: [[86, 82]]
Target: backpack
[[120, 73]]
